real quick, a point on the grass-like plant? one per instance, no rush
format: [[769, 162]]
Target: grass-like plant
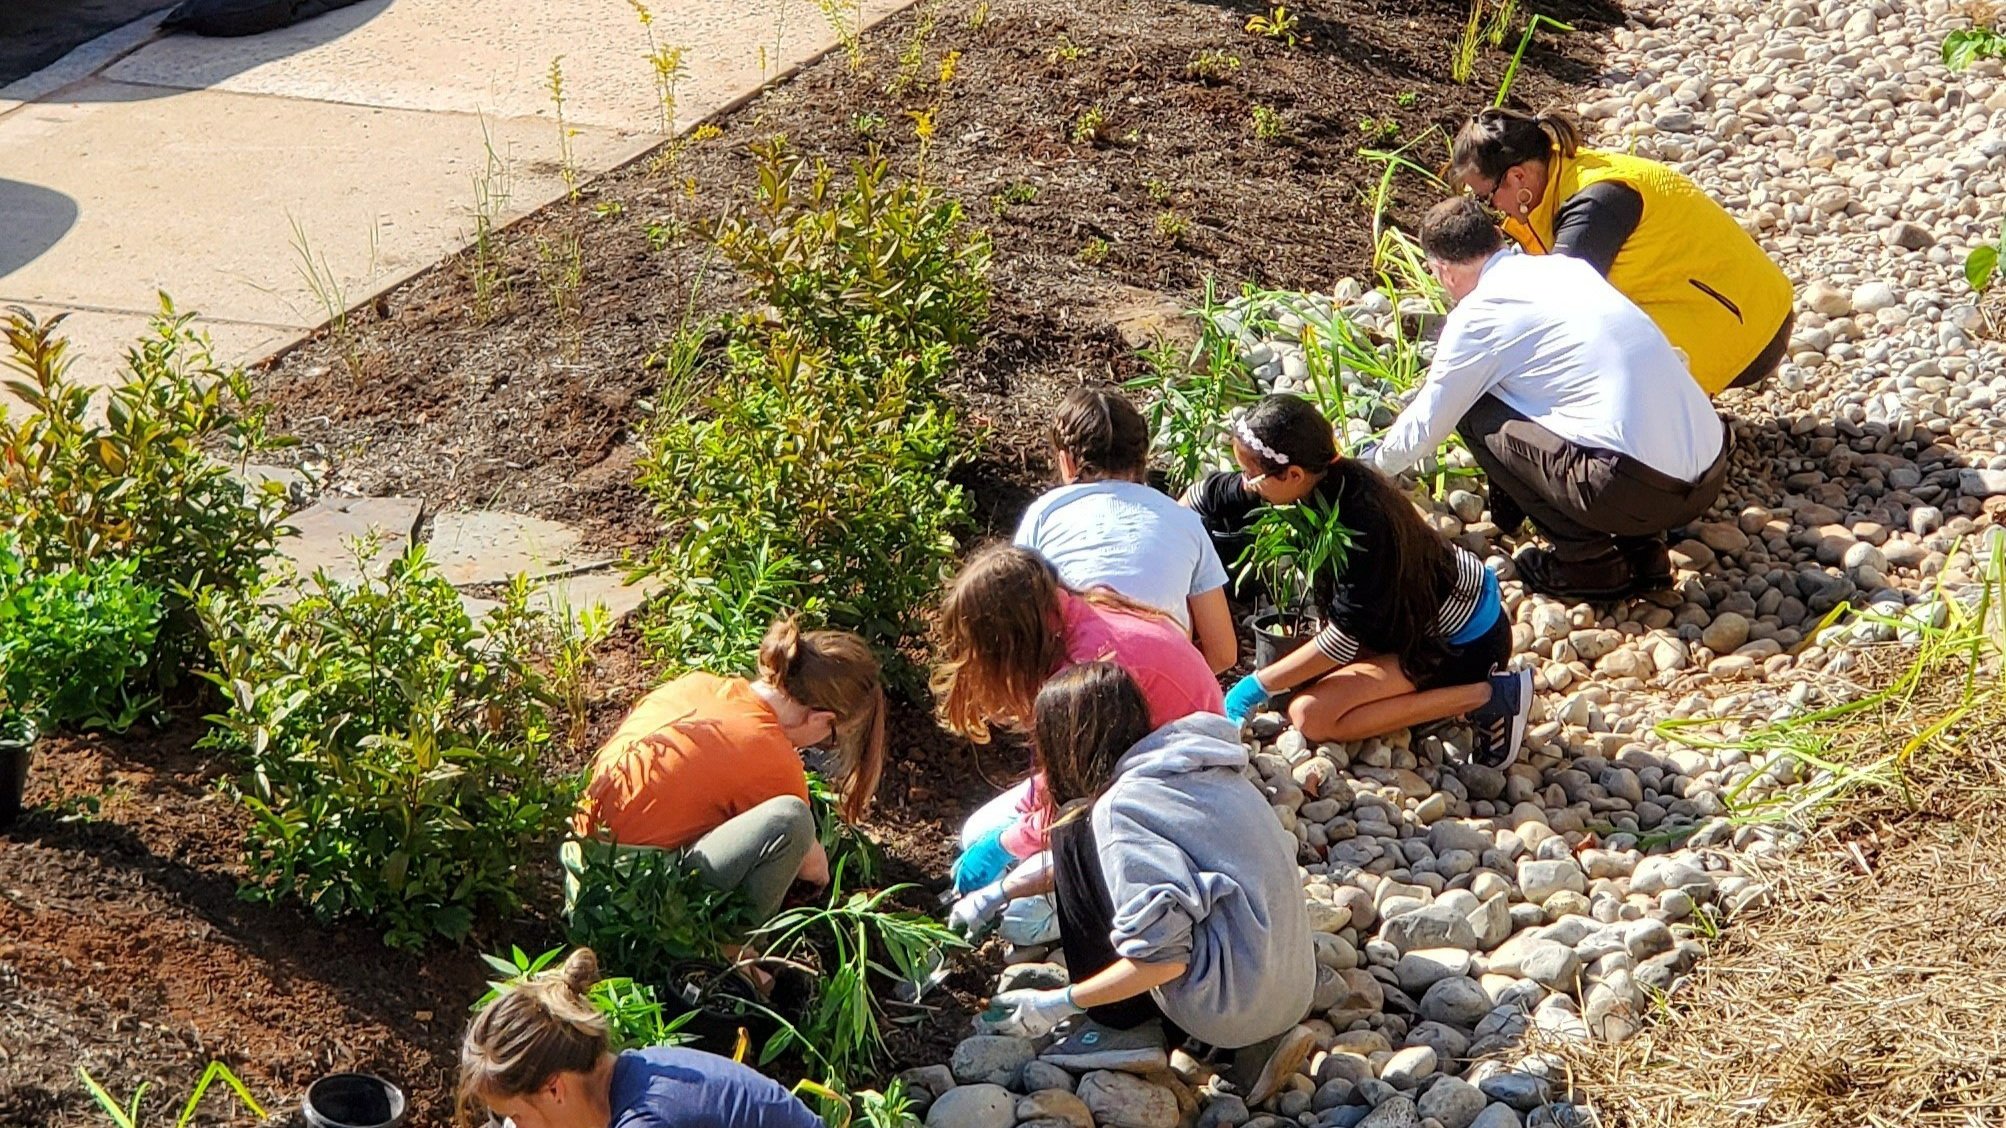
[[1463, 62], [1517, 57], [1187, 397], [1946, 690], [1292, 548], [1278, 24], [131, 1115]]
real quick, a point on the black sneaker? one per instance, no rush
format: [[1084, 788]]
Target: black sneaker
[[1091, 1045], [1500, 722], [1650, 564], [1261, 1070]]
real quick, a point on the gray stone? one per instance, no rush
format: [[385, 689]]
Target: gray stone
[[1540, 880], [1872, 297], [1546, 962], [1363, 997], [1408, 1067], [1039, 1075], [992, 1058], [1433, 926], [1395, 1112], [1522, 1091], [1122, 1100], [1039, 976], [1657, 874], [1908, 236], [1491, 921], [974, 1106], [1726, 634], [931, 1080], [1459, 1002], [1055, 1104], [1499, 1115], [1452, 1101], [1225, 1111], [1981, 483], [1418, 971]]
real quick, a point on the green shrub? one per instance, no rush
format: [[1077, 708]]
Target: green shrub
[[813, 476], [392, 747], [881, 267], [643, 911], [151, 482], [70, 640]]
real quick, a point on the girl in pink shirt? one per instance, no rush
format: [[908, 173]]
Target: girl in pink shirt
[[1006, 625]]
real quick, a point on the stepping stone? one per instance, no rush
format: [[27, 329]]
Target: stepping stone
[[327, 529], [489, 546]]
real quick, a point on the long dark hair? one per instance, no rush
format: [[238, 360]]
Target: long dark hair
[[1087, 717], [1495, 139], [1394, 608], [1103, 433]]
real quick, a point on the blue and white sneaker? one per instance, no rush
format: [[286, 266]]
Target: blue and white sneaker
[[1500, 722]]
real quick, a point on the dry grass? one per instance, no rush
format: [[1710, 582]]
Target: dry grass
[[1871, 989]]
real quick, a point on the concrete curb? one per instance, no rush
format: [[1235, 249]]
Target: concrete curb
[[81, 63]]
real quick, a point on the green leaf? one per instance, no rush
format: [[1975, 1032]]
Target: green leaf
[[1980, 266]]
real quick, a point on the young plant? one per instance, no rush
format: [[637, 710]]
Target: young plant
[[849, 940], [912, 59], [644, 911], [1380, 130], [1015, 193], [1170, 226], [634, 1014], [1279, 24], [1463, 64], [1511, 71], [1981, 265], [1067, 51], [848, 24], [330, 292], [130, 1115], [1092, 127], [561, 268], [1188, 399], [978, 16], [147, 471], [1094, 251], [1500, 21], [567, 163], [392, 748], [1213, 67], [486, 268], [1269, 125], [667, 67], [866, 1107], [1967, 45], [1406, 99], [1293, 548]]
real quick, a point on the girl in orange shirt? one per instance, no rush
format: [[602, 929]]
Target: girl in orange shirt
[[711, 766]]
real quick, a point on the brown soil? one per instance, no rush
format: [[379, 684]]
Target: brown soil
[[123, 946]]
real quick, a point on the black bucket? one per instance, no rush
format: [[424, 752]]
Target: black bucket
[[17, 747], [353, 1100], [723, 1003], [1271, 642]]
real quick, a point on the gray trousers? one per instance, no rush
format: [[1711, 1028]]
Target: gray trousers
[[757, 853]]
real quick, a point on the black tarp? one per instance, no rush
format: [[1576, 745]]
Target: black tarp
[[245, 17]]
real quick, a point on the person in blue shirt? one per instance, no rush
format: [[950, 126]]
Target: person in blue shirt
[[538, 1056]]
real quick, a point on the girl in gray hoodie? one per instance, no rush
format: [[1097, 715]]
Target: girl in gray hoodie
[[1180, 906]]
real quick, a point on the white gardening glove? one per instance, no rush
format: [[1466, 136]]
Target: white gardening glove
[[977, 912], [1029, 1013]]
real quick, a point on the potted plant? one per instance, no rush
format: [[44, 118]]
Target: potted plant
[[1291, 546]]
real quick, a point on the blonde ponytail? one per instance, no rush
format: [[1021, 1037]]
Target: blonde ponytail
[[532, 1032]]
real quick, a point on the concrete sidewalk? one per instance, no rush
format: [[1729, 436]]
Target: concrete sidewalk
[[213, 169]]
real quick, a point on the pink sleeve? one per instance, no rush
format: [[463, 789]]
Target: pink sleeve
[[1029, 834]]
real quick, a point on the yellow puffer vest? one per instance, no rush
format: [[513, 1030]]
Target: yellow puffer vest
[[1688, 264]]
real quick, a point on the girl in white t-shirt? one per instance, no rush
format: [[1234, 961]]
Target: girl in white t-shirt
[[1105, 527]]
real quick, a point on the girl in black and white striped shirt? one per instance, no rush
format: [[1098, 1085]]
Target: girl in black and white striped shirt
[[1414, 630]]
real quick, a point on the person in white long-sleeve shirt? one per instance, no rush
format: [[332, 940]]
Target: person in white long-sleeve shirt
[[1579, 410]]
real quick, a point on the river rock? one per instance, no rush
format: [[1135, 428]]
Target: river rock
[[1123, 1100]]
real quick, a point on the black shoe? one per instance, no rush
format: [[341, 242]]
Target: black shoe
[[1602, 579], [1500, 722], [1650, 564], [1505, 513]]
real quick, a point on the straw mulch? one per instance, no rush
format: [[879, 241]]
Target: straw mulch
[[1870, 990]]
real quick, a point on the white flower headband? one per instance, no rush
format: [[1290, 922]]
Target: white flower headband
[[1246, 435]]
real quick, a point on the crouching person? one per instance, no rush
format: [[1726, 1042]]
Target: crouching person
[[711, 767], [1572, 401], [540, 1056], [1180, 905]]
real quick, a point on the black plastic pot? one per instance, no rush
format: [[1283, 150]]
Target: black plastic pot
[[721, 998], [353, 1100], [1276, 636], [17, 747]]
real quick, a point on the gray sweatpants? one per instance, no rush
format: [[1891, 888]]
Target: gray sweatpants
[[757, 853]]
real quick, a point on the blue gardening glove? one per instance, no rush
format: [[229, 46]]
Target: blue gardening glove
[[1247, 695], [983, 863]]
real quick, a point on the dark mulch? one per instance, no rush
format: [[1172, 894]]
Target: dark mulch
[[122, 945]]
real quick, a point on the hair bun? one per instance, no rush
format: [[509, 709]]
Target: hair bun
[[580, 970], [780, 649]]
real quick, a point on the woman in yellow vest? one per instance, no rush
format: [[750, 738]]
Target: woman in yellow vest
[[1654, 234]]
